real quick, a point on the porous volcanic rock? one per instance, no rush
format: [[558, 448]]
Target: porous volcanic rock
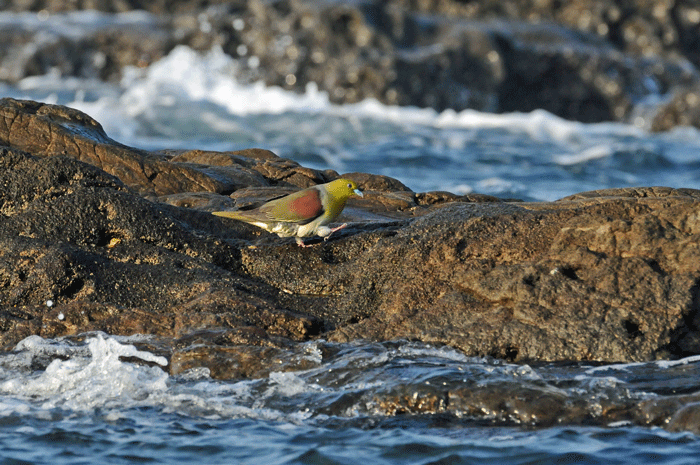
[[608, 276]]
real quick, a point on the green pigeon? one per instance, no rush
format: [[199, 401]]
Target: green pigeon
[[301, 214]]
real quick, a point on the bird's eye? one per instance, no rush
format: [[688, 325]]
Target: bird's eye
[[349, 186]]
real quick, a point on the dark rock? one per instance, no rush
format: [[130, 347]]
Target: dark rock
[[113, 261], [437, 197], [240, 353], [376, 182], [521, 281], [610, 275], [101, 53], [525, 405], [528, 273], [536, 404], [683, 109], [51, 130], [686, 419]]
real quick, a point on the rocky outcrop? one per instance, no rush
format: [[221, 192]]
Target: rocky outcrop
[[586, 60], [95, 235], [120, 240]]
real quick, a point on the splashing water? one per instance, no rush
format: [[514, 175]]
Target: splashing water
[[101, 396]]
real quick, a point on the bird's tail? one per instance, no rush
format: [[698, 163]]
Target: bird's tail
[[247, 216], [230, 214]]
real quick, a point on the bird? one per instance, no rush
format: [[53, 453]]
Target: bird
[[301, 214]]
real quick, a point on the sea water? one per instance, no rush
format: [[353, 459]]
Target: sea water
[[90, 401], [80, 401]]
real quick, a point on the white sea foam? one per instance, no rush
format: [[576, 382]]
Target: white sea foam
[[614, 367], [287, 384], [86, 383], [93, 376], [496, 185], [682, 361], [90, 376], [592, 153], [446, 353], [627, 367], [186, 76]]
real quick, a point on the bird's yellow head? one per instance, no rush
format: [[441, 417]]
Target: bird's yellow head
[[343, 188]]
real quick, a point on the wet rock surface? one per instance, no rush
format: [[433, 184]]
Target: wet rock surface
[[608, 275], [98, 236], [585, 60]]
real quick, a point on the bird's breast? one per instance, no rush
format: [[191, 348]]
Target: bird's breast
[[308, 206]]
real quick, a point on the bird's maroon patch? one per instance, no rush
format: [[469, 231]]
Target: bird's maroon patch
[[308, 206]]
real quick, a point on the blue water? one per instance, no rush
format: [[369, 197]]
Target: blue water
[[173, 439], [69, 402]]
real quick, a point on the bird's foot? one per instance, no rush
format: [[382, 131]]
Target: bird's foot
[[334, 230], [300, 242]]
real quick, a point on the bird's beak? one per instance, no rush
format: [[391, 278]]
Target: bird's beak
[[358, 193]]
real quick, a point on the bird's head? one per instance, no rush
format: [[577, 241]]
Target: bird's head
[[343, 188]]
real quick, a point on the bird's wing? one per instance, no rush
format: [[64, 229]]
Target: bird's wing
[[248, 216], [300, 207]]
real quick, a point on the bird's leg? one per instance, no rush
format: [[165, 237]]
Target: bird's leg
[[300, 242], [334, 230]]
